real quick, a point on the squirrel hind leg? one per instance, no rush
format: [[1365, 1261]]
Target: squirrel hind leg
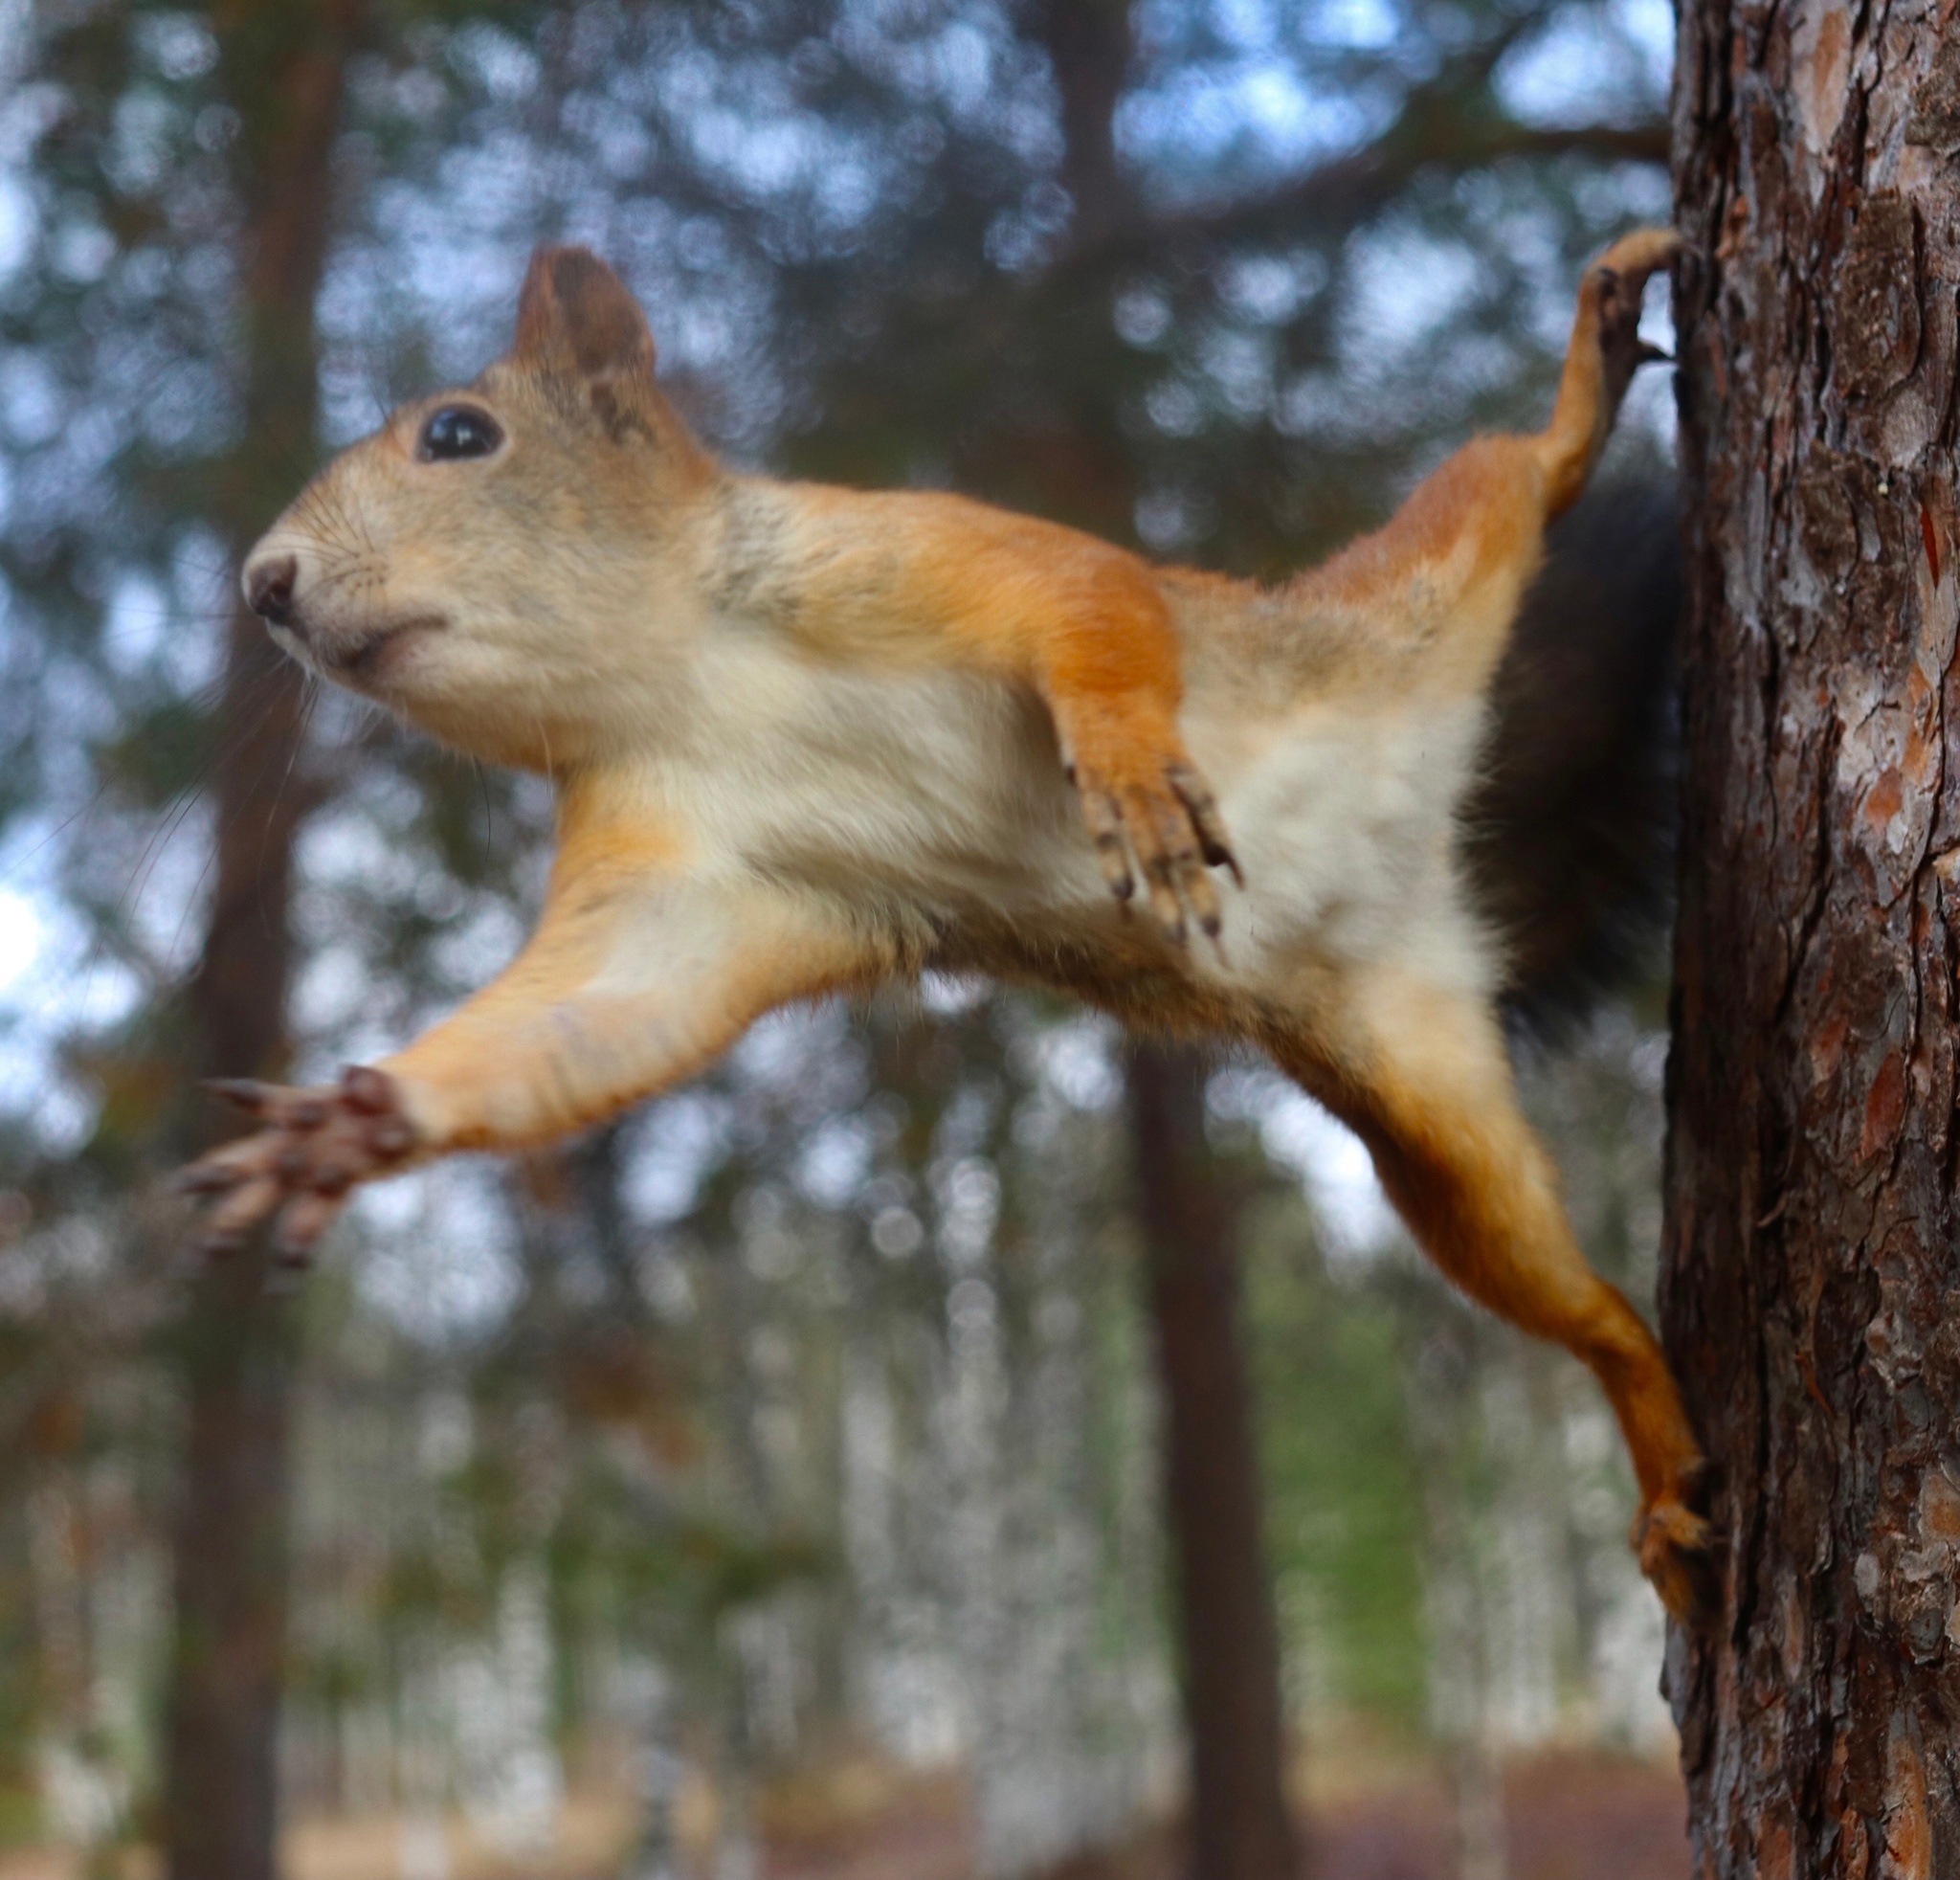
[[1423, 1078], [1605, 351]]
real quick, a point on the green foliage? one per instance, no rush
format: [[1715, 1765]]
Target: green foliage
[[1344, 1499]]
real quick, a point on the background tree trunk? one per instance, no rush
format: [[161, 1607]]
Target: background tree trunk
[[1810, 1291], [1239, 1828], [1187, 1211], [283, 68]]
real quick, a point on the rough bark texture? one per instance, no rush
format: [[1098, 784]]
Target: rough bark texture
[[283, 66], [1239, 1829], [1811, 1290]]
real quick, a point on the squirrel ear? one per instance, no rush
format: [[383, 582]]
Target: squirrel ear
[[575, 311]]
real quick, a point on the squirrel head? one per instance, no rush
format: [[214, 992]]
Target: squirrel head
[[495, 558]]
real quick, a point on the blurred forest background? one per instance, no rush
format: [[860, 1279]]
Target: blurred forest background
[[769, 1482]]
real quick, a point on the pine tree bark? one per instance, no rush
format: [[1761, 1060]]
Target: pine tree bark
[[1235, 1730], [283, 70], [1810, 1287]]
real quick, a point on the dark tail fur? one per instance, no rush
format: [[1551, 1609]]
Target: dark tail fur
[[1569, 834]]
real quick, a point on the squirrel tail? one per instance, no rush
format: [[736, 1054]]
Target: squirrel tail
[[1569, 834]]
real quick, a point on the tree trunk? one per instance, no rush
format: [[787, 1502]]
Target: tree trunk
[[1239, 1828], [1810, 1291], [1188, 1215], [283, 68]]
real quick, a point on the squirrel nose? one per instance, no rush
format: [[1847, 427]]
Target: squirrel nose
[[269, 589]]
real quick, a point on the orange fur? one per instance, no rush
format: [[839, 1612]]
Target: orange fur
[[920, 579], [1423, 1078], [957, 582]]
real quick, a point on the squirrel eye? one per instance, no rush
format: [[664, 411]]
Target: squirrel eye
[[457, 431]]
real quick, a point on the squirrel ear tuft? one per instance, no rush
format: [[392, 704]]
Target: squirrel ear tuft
[[575, 311]]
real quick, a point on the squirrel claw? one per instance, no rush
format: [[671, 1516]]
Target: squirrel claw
[[1195, 795], [246, 1093], [1679, 1547], [1678, 1551], [1106, 831], [1161, 832], [1612, 292], [204, 1178]]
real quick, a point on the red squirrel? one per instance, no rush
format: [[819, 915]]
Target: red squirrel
[[805, 740]]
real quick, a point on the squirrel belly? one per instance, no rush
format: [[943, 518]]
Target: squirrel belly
[[908, 795], [937, 801]]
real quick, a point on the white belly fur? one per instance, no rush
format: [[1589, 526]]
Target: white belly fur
[[1344, 823], [947, 790]]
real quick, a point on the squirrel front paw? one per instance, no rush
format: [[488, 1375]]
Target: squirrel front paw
[[1150, 812], [312, 1146]]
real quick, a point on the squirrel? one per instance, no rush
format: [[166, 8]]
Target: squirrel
[[807, 739]]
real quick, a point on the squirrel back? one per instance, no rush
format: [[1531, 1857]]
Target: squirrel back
[[1569, 835]]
